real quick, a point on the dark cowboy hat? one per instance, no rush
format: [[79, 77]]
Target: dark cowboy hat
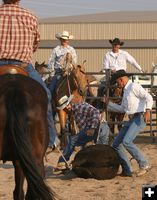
[[116, 41], [118, 74]]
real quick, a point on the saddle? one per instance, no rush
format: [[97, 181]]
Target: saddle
[[12, 69]]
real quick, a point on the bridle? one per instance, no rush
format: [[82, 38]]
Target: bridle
[[75, 79]]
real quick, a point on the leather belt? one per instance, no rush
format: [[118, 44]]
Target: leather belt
[[20, 63], [135, 115]]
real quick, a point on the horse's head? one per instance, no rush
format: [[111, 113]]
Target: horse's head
[[80, 78], [67, 63], [41, 68]]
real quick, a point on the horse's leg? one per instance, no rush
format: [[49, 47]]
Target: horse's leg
[[111, 118], [19, 180], [72, 126], [62, 119], [120, 119]]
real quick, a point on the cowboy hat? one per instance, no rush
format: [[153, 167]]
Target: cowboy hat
[[116, 41], [64, 101], [118, 74], [64, 35]]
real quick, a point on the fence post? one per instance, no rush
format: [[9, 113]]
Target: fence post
[[108, 77]]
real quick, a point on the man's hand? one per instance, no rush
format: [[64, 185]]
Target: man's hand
[[143, 71], [90, 132], [147, 116]]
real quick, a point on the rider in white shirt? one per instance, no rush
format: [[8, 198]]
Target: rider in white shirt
[[54, 63], [117, 59]]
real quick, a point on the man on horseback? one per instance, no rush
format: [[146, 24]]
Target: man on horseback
[[58, 60], [117, 59], [18, 41]]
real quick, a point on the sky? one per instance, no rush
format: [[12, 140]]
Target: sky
[[57, 8]]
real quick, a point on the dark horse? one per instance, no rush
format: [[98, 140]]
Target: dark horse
[[115, 95], [24, 134]]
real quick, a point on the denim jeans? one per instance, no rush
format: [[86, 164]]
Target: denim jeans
[[77, 140], [35, 75], [124, 140], [104, 133], [53, 84], [54, 81]]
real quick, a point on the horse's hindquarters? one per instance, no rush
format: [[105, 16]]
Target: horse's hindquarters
[[23, 133]]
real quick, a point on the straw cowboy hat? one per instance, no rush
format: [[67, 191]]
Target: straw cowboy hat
[[64, 35], [64, 101], [116, 41], [118, 74]]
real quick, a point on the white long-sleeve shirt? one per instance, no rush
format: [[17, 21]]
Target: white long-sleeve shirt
[[57, 55], [117, 61], [135, 99]]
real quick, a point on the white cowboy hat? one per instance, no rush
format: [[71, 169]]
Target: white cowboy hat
[[64, 35], [64, 101]]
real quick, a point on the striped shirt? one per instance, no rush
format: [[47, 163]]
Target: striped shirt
[[19, 35], [86, 116]]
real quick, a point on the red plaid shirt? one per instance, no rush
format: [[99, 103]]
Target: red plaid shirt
[[19, 35], [86, 116]]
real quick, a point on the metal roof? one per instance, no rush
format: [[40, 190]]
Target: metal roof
[[121, 16]]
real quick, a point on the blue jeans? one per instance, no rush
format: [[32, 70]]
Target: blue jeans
[[104, 133], [53, 84], [77, 140], [125, 139], [54, 81], [35, 75]]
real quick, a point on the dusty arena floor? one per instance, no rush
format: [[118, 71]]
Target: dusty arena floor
[[69, 187]]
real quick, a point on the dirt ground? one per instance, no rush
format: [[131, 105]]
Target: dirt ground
[[70, 187]]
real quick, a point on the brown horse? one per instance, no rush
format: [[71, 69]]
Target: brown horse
[[24, 133], [114, 116], [74, 83]]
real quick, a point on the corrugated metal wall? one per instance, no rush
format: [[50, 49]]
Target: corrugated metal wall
[[98, 31], [94, 57], [103, 31]]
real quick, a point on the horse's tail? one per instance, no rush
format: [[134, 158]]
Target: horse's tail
[[17, 118]]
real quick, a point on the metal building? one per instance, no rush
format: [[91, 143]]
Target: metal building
[[91, 34]]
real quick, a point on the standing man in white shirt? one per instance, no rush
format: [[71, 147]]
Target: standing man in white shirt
[[117, 59], [54, 63], [137, 103]]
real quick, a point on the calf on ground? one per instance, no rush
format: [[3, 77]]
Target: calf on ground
[[96, 161]]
